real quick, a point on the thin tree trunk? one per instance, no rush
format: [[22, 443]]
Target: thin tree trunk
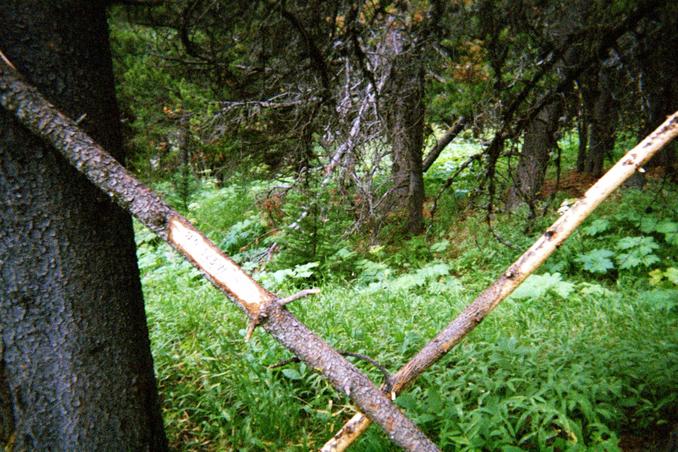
[[489, 299], [261, 306], [659, 94], [601, 134], [404, 111], [77, 372], [582, 129]]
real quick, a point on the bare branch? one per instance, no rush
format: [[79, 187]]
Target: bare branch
[[517, 272], [446, 139], [298, 295], [373, 362]]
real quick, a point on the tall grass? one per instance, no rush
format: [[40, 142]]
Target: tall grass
[[575, 360]]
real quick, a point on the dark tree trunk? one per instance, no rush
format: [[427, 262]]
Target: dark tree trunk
[[582, 130], [602, 126], [404, 110], [539, 139], [76, 371], [659, 96]]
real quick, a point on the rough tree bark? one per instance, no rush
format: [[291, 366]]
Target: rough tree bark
[[490, 298], [658, 89], [539, 140], [602, 124], [262, 307], [403, 105], [74, 348]]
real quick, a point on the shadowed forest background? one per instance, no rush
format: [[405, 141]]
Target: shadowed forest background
[[399, 156]]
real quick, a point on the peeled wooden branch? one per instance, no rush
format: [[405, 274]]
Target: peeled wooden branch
[[81, 151], [517, 272]]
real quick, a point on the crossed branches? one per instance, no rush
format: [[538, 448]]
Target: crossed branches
[[264, 308]]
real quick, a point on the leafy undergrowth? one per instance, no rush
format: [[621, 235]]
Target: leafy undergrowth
[[582, 354]]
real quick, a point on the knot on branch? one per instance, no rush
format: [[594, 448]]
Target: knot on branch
[[263, 311]]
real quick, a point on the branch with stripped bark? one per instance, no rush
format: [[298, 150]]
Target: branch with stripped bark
[[40, 117], [546, 245]]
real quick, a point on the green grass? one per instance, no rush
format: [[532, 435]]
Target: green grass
[[576, 360]]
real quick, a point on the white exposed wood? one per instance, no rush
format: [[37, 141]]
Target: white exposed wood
[[216, 265]]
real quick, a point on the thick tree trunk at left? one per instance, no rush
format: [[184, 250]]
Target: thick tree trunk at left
[[404, 111], [77, 372]]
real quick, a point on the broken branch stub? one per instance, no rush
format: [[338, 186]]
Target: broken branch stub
[[517, 272], [81, 151]]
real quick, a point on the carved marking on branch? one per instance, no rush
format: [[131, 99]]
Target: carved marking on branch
[[225, 273]]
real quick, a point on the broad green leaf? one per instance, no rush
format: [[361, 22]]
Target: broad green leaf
[[656, 276], [596, 227], [670, 231], [305, 270], [440, 247], [536, 286], [644, 243], [667, 227], [671, 274], [639, 252], [433, 270], [597, 261], [292, 374]]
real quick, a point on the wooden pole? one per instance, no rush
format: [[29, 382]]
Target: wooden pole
[[516, 273]]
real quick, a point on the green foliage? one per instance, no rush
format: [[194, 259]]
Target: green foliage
[[635, 238], [537, 286], [637, 251], [566, 363], [276, 280], [659, 276], [597, 261], [596, 227]]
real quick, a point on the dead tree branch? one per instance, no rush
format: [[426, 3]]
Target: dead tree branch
[[40, 117], [373, 362], [517, 272], [446, 139], [298, 295]]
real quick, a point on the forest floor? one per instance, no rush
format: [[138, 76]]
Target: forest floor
[[584, 354]]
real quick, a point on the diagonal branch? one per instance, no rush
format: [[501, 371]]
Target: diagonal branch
[[446, 139], [81, 151], [516, 273]]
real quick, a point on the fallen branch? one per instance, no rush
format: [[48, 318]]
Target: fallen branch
[[81, 151], [373, 362], [516, 273], [446, 139]]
